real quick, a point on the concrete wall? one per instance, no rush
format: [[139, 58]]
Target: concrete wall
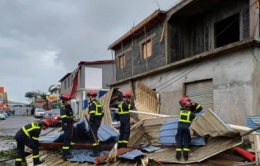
[[233, 86], [132, 50], [191, 35]]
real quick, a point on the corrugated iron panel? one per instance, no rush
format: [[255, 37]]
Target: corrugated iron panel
[[146, 131], [202, 93], [210, 124], [168, 133], [198, 154], [253, 121], [131, 154], [146, 100]]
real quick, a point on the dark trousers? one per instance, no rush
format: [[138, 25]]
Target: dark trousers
[[23, 140], [95, 141], [67, 128], [183, 137], [124, 133]]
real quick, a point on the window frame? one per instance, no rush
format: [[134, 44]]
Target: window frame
[[144, 55], [121, 61]]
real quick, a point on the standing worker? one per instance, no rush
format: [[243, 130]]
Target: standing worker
[[29, 135], [96, 113], [123, 112], [66, 115], [195, 107], [183, 136]]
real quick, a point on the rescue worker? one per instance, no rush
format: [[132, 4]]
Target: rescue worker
[[123, 112], [183, 136], [96, 114], [29, 135], [195, 107], [66, 115]]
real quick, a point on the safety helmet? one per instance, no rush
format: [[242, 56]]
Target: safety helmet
[[65, 96], [126, 94], [183, 100], [46, 122], [92, 93]]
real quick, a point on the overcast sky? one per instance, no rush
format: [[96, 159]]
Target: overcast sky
[[42, 40]]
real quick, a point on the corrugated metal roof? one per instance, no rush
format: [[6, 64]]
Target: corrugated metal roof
[[198, 154], [253, 121], [146, 100], [131, 154], [210, 124], [168, 133]]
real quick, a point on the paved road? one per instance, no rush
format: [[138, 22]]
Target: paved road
[[11, 125]]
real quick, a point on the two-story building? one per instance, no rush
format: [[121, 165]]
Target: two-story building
[[92, 75], [207, 50]]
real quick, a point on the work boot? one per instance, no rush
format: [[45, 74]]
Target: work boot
[[178, 156], [119, 145], [37, 161], [18, 163], [95, 152], [68, 156], [100, 148], [186, 155]]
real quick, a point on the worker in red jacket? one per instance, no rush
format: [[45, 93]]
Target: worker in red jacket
[[183, 136], [96, 113], [66, 115], [29, 135], [123, 113]]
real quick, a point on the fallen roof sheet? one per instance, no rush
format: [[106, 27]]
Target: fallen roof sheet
[[253, 121], [106, 134], [168, 133], [197, 154], [131, 154], [209, 124]]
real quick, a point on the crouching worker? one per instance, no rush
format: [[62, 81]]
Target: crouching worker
[[183, 136], [29, 135]]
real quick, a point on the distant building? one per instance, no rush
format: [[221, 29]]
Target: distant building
[[96, 75]]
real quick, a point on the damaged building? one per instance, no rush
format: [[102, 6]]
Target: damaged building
[[207, 50]]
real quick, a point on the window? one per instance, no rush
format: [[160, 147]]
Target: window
[[65, 84], [227, 31], [146, 49], [69, 82], [121, 61]]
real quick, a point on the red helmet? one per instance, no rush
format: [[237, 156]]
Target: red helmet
[[46, 122], [126, 94], [184, 100], [92, 93], [65, 96]]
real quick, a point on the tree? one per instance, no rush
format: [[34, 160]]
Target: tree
[[31, 96]]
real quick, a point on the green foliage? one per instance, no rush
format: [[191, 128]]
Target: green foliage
[[8, 153], [33, 95], [152, 163]]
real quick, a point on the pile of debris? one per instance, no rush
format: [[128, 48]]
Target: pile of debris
[[152, 137]]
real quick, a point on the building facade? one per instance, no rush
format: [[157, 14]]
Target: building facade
[[207, 50], [94, 75]]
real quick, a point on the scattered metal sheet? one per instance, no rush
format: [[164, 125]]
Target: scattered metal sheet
[[150, 148], [168, 133], [197, 154], [210, 124], [146, 100], [253, 121], [131, 154]]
